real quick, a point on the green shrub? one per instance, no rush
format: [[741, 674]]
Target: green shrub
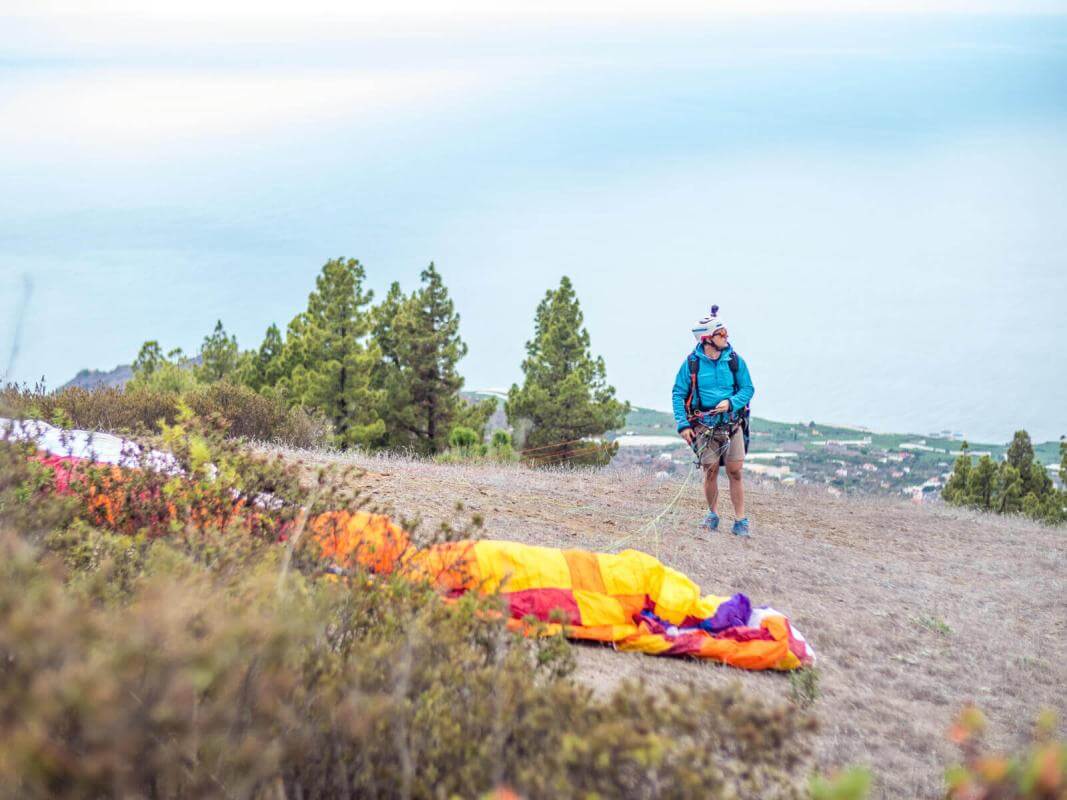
[[462, 438], [103, 409], [168, 378], [934, 624], [459, 456], [250, 415], [464, 445], [804, 686], [500, 448], [851, 784], [242, 411]]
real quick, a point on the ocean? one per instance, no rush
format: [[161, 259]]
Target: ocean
[[877, 204]]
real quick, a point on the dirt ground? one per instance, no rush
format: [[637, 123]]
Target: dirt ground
[[913, 610]]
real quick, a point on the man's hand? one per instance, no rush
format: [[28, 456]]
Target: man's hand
[[721, 408], [688, 435]]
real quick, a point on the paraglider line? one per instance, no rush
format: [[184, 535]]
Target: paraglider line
[[652, 522]]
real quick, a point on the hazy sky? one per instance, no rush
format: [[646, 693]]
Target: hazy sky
[[875, 199]]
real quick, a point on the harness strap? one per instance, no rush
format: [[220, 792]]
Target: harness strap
[[734, 417], [694, 389], [693, 411]]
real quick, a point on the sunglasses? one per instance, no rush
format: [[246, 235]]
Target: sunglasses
[[721, 332]]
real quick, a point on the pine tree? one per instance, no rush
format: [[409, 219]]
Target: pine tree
[[1008, 491], [1037, 482], [1021, 456], [955, 491], [421, 345], [565, 399], [384, 321], [155, 371], [980, 484], [1020, 451], [219, 356], [149, 359], [389, 377], [265, 367], [328, 360], [1019, 484]]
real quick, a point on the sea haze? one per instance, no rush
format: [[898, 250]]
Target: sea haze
[[876, 203]]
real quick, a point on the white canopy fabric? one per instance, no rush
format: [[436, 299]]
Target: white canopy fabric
[[105, 448]]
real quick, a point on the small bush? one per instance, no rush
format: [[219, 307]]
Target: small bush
[[804, 686], [500, 448], [27, 503], [168, 377], [934, 624], [463, 446], [851, 784], [250, 415], [103, 409], [462, 438], [239, 409], [1037, 773]]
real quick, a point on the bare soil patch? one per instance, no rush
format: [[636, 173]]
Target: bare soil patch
[[913, 610]]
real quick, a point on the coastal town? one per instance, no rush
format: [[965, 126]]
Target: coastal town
[[844, 460]]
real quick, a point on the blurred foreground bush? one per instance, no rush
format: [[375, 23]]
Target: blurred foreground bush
[[1037, 773], [188, 689]]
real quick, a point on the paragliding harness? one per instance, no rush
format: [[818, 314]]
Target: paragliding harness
[[722, 431]]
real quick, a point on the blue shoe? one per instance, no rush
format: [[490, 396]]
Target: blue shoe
[[741, 528], [710, 522]]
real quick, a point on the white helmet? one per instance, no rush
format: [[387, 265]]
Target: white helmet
[[708, 325]]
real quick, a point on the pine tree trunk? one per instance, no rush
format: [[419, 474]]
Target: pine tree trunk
[[342, 425], [431, 421]]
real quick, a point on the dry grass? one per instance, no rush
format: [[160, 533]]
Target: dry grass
[[913, 610]]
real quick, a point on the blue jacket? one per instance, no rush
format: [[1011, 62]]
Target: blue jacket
[[716, 382]]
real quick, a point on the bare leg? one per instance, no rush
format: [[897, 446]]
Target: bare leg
[[711, 486], [737, 490]]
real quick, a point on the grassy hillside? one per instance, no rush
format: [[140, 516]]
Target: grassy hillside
[[913, 610], [165, 640]]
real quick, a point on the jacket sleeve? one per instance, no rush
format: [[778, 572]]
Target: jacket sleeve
[[745, 389], [678, 395]]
